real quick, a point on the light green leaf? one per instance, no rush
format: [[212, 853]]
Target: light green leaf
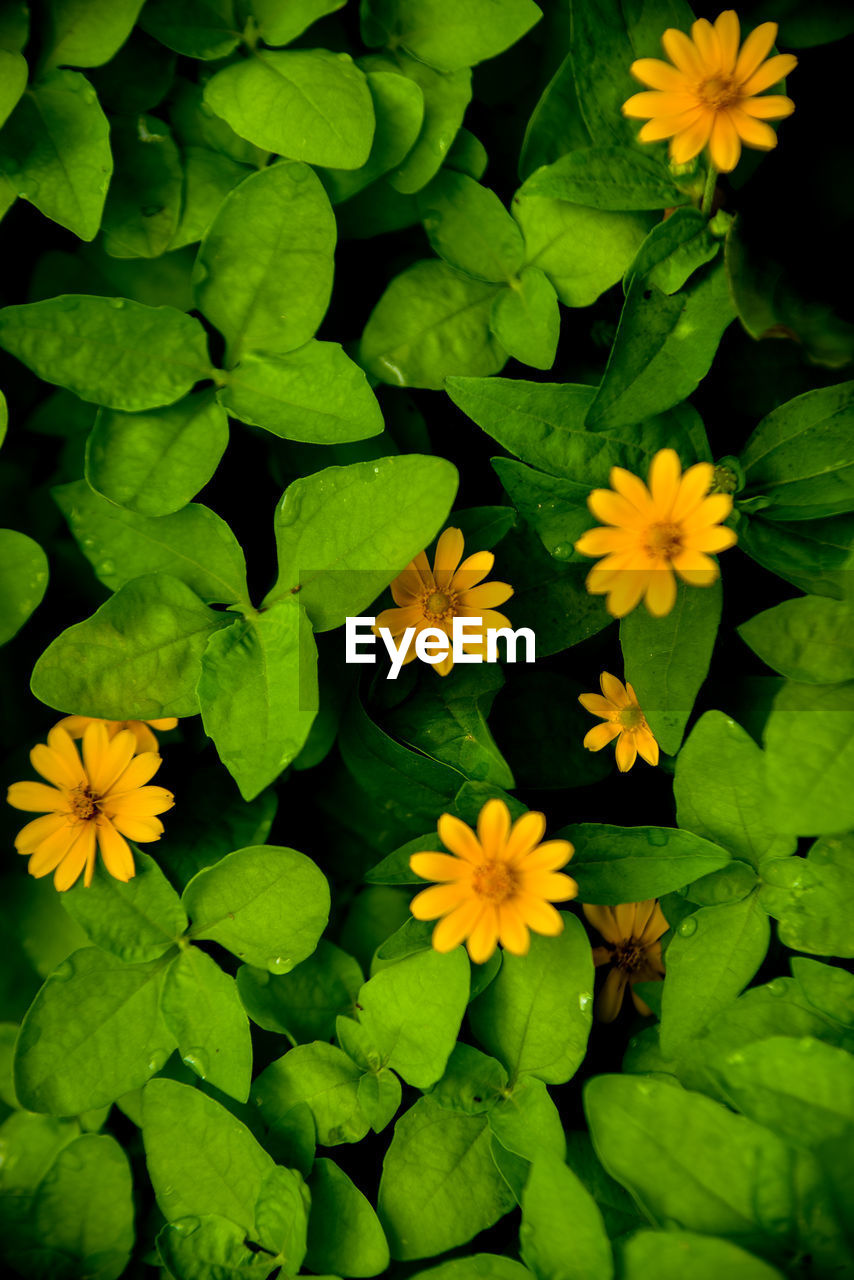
[[23, 580], [208, 178], [304, 1003], [93, 1032], [143, 206], [630, 864], [399, 110], [809, 639], [809, 757], [535, 1017], [526, 1122], [280, 22], [195, 125], [344, 533], [55, 152], [31, 1143], [13, 81], [553, 1198], [137, 658], [154, 463], [4, 417], [281, 1215], [449, 36], [267, 905], [316, 394], [268, 295], [307, 104], [674, 250], [810, 897], [196, 28], [671, 1255], [446, 96], [108, 350], [607, 178], [469, 227], [197, 1248], [258, 692], [318, 1077], [477, 1266], [137, 921], [344, 1234], [202, 1009], [525, 319], [87, 33]]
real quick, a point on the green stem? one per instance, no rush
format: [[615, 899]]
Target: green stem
[[709, 189]]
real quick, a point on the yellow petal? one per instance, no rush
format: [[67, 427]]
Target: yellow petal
[[396, 621], [439, 866], [473, 570], [143, 802], [525, 834], [653, 104], [626, 752], [140, 770], [603, 920], [597, 705], [34, 833], [753, 133], [78, 857], [455, 927], [51, 851], [683, 53], [610, 998], [554, 886], [647, 746], [483, 938], [600, 735], [35, 797], [690, 141], [724, 143], [626, 592], [665, 474], [139, 829], [493, 828], [449, 553], [145, 739], [708, 45], [540, 916], [773, 106], [771, 72], [458, 836], [661, 592], [717, 537], [547, 856], [601, 542], [728, 31], [633, 489], [755, 50], [115, 852], [613, 689], [615, 508], [659, 75], [661, 127], [486, 596], [512, 931], [693, 488]]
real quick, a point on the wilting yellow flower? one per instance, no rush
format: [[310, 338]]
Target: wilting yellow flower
[[709, 95], [451, 590], [141, 729], [623, 719], [494, 885], [98, 800], [632, 947], [673, 524]]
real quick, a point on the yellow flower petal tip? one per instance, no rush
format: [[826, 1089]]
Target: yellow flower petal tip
[[99, 801], [670, 525], [141, 729], [632, 934], [712, 91], [496, 885], [622, 719], [432, 598]]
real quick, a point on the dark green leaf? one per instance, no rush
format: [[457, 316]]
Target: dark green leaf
[[525, 319], [809, 640], [23, 580]]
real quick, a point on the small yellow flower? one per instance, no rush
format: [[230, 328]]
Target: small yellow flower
[[709, 95], [632, 947], [623, 719], [494, 885], [141, 729], [434, 598], [673, 524], [98, 800]]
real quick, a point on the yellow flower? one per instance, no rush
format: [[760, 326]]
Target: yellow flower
[[494, 885], [141, 729], [709, 95], [451, 590], [673, 524], [99, 800], [632, 947], [623, 719]]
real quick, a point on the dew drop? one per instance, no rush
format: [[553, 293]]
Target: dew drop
[[687, 927], [196, 1060], [776, 988], [562, 551], [117, 303], [280, 964], [105, 568], [186, 1226], [584, 1000], [158, 1058], [88, 543]]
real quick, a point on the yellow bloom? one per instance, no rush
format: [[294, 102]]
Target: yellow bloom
[[709, 95], [99, 800], [451, 590], [494, 885], [141, 729], [673, 524], [632, 947], [623, 719]]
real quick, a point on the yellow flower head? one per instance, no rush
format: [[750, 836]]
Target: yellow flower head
[[101, 799], [673, 524], [495, 884], [434, 598], [709, 95], [632, 948], [141, 729], [623, 719]]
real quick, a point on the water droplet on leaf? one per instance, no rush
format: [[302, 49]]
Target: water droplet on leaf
[[687, 927]]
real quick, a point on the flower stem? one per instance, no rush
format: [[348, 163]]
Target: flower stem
[[709, 189]]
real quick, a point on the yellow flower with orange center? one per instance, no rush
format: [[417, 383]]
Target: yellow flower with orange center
[[674, 524], [622, 719], [141, 729], [707, 95], [495, 884], [433, 598], [631, 933], [92, 803]]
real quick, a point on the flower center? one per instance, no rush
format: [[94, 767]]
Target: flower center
[[630, 717], [628, 955], [664, 540], [718, 92], [438, 603], [494, 881], [84, 805]]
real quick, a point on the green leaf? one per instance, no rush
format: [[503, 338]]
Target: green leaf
[[155, 463], [202, 1009], [667, 659], [469, 227], [811, 554], [269, 294], [553, 1197], [541, 726], [13, 81], [258, 693], [607, 178], [399, 111], [664, 347], [809, 897], [344, 1234], [477, 1266], [809, 755], [267, 905], [192, 544], [602, 54], [431, 322], [550, 597], [630, 864], [208, 178], [316, 394], [525, 319], [809, 639], [446, 96], [137, 658], [671, 1255], [195, 125], [449, 36], [137, 921], [196, 28], [280, 23], [712, 956], [93, 1032], [307, 104], [718, 789], [674, 250], [344, 533], [440, 1186], [526, 1122], [535, 1017], [108, 350], [318, 1077], [55, 151], [31, 1143], [201, 1159], [197, 1248], [23, 580], [582, 251], [87, 33], [304, 1003], [143, 206]]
